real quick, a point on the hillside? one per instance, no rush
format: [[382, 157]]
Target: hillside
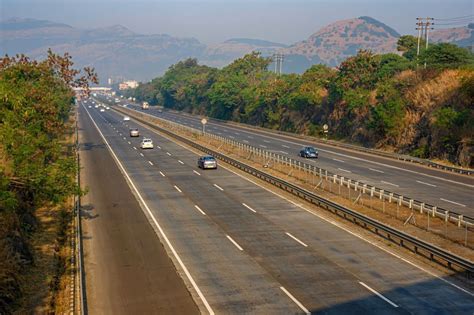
[[119, 52], [224, 53], [113, 51], [337, 41], [461, 36]]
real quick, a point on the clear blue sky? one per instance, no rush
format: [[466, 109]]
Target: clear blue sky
[[213, 21]]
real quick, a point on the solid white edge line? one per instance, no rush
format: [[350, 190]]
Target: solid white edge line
[[218, 187], [336, 224], [249, 207], [453, 202], [150, 162], [175, 254], [305, 310], [196, 172], [296, 239], [378, 294], [234, 242], [200, 210], [425, 183]]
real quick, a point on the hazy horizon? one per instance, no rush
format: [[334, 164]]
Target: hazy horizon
[[214, 21]]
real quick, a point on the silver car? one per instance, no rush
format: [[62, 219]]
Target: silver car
[[207, 161], [134, 132]]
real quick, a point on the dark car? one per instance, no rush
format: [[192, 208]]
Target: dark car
[[309, 152], [207, 162]]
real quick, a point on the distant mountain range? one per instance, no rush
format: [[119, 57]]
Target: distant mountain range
[[116, 51]]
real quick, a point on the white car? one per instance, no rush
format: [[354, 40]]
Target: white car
[[146, 143], [96, 106], [126, 118], [89, 106], [107, 107], [102, 110]]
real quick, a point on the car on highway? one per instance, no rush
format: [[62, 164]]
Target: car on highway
[[309, 152], [146, 143], [89, 106], [207, 161], [96, 106], [134, 132], [107, 107], [102, 110], [126, 118]]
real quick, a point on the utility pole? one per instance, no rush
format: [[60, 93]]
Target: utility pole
[[423, 25], [278, 60]]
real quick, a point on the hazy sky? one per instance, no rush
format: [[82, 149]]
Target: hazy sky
[[213, 21]]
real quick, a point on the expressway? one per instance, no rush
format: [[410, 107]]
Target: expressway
[[436, 187], [240, 248]]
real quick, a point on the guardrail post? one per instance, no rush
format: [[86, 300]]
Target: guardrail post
[[349, 188], [434, 210], [390, 196], [410, 204], [460, 220], [335, 178], [446, 218]]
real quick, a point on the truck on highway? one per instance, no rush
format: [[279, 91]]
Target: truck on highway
[[145, 105]]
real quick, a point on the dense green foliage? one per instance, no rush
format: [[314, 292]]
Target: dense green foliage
[[376, 100], [36, 168]]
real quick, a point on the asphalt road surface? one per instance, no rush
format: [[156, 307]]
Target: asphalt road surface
[[437, 187], [248, 250], [127, 269]]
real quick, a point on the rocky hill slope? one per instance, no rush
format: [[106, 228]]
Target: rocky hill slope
[[337, 41]]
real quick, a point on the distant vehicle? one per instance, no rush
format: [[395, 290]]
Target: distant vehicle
[[126, 118], [107, 107], [207, 162], [146, 143], [145, 105], [309, 152], [96, 106], [89, 106], [160, 111], [125, 105], [134, 132], [102, 110]]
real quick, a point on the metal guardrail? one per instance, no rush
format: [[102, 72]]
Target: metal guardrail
[[400, 157], [411, 203], [420, 247]]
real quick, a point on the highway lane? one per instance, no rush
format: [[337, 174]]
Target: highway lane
[[446, 190], [127, 269], [279, 241]]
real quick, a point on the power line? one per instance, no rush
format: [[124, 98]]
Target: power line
[[471, 16]]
